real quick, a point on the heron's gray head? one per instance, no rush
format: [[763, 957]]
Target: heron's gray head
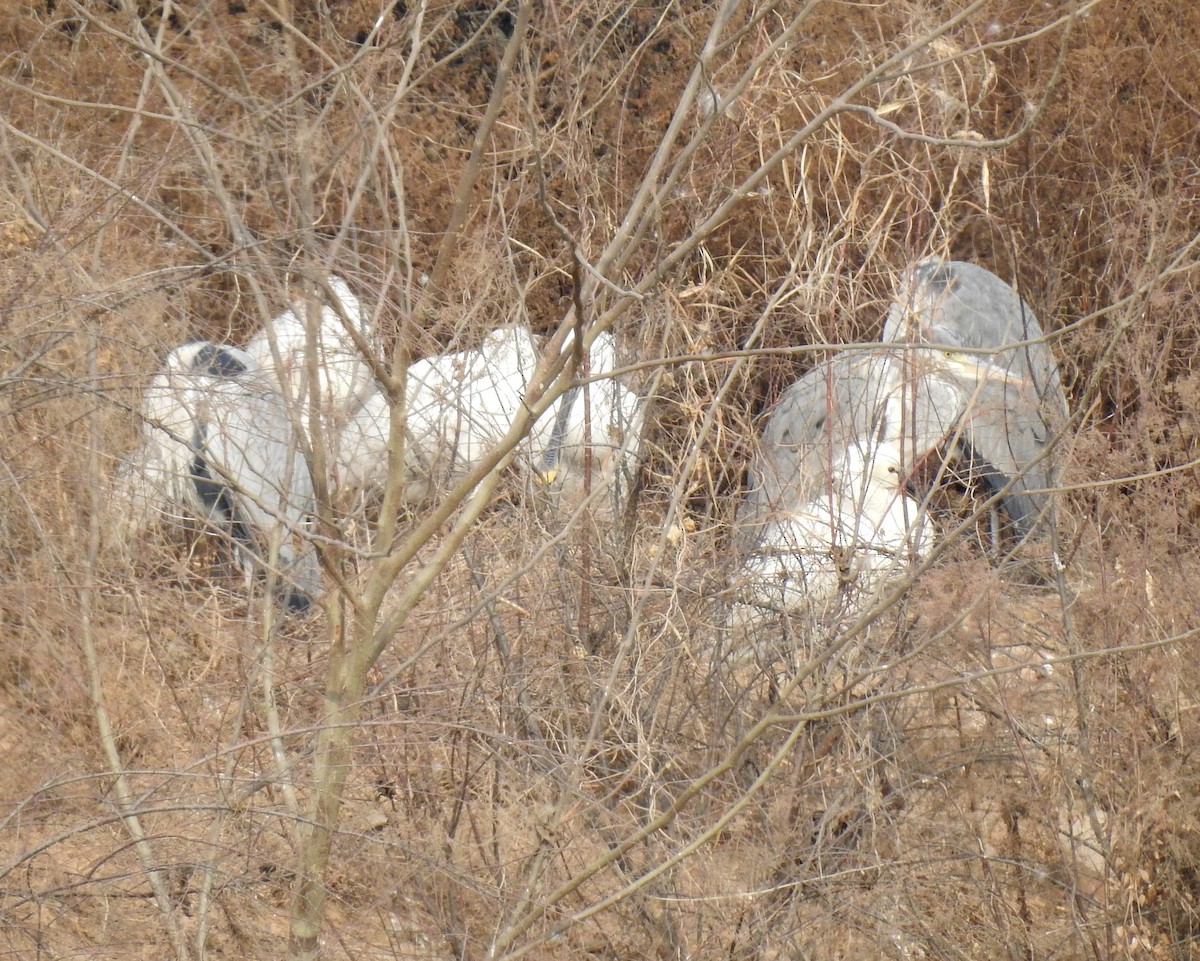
[[914, 313], [932, 275]]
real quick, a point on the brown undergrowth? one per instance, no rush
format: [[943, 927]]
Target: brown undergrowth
[[996, 765]]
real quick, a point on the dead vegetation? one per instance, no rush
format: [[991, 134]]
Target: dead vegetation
[[549, 756]]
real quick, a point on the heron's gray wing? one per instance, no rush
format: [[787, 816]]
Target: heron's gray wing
[[779, 469], [1008, 439], [960, 304], [992, 419], [839, 402], [1010, 427]]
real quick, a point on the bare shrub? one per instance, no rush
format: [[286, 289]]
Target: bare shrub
[[511, 723]]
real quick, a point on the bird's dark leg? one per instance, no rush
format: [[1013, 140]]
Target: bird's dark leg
[[216, 497]]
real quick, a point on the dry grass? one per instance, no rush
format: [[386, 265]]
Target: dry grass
[[986, 769]]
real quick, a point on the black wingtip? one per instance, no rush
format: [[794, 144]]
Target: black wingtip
[[217, 361]]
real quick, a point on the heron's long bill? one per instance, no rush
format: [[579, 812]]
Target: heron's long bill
[[980, 369]]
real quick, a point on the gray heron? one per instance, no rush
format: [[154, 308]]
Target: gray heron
[[913, 398], [343, 377], [1014, 420], [218, 445], [896, 404]]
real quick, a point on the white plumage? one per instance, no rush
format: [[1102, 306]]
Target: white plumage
[[460, 404], [837, 550], [362, 447], [343, 377], [218, 446]]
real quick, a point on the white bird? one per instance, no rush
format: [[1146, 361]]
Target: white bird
[[600, 416], [218, 446], [343, 377], [459, 405], [836, 551]]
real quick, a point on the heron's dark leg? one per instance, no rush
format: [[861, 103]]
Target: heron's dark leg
[[219, 500], [296, 600]]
